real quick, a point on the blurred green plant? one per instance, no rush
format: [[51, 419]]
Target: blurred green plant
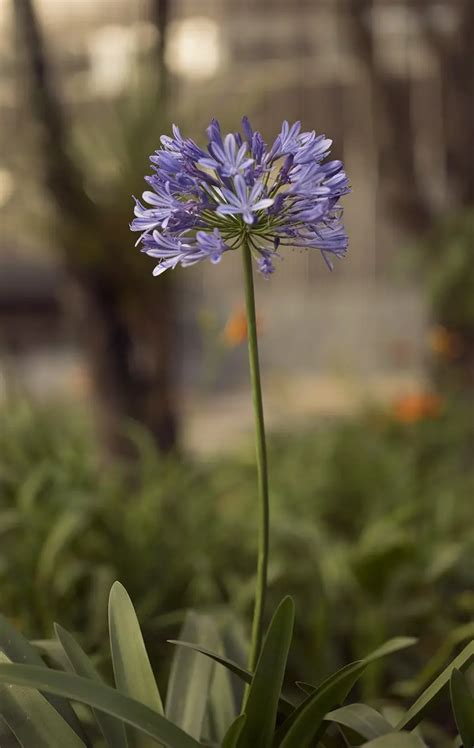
[[449, 273], [202, 705], [372, 532]]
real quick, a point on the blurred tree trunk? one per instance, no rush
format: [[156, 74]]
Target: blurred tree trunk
[[452, 53], [394, 136], [456, 65], [159, 16], [392, 127], [126, 322]]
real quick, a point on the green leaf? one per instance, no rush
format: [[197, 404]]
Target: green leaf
[[417, 710], [262, 702], [362, 719], [7, 738], [222, 707], [18, 649], [234, 732], [459, 635], [54, 653], [191, 676], [305, 726], [241, 672], [33, 720], [389, 647], [463, 708], [100, 697], [356, 668], [396, 740], [133, 674], [285, 706], [112, 730]]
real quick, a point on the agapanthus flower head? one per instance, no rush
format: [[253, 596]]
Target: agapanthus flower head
[[202, 204]]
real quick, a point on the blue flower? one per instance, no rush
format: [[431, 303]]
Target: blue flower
[[243, 200], [227, 159], [201, 204]]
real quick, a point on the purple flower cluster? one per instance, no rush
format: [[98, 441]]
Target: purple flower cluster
[[203, 203]]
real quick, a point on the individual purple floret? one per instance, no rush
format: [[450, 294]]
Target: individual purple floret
[[244, 200], [201, 204]]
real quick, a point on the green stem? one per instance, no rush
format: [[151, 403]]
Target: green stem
[[262, 469]]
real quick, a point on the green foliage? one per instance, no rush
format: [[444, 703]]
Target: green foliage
[[463, 707], [450, 271], [261, 704], [133, 700], [132, 669], [370, 516]]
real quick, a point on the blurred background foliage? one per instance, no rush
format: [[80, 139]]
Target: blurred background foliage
[[371, 532]]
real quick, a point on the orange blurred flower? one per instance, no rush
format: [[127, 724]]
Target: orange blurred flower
[[444, 343], [235, 331], [417, 407]]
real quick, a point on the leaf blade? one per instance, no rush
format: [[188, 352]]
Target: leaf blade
[[305, 725], [285, 705], [463, 707], [133, 673], [190, 677], [390, 647], [99, 696], [112, 730], [306, 722], [416, 711], [362, 719], [232, 736], [18, 649], [33, 720], [263, 697], [396, 740]]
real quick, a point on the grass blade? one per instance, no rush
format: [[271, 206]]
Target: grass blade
[[112, 730], [133, 674], [262, 703], [417, 710], [463, 708], [99, 696]]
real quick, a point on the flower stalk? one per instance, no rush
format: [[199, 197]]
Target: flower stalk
[[202, 204], [262, 466]]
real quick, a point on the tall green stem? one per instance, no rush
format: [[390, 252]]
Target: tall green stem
[[262, 469]]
